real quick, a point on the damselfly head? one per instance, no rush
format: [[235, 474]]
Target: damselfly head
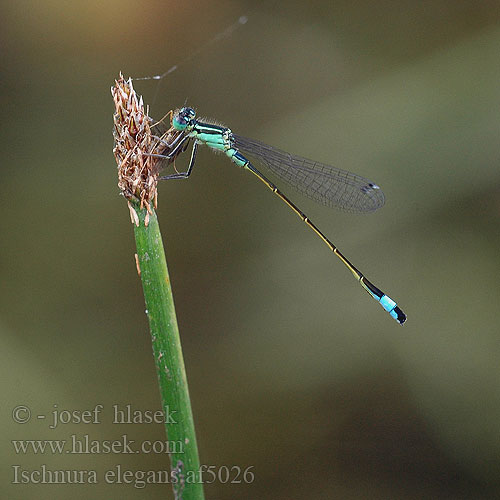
[[182, 118]]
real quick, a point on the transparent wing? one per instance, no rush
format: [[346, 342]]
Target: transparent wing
[[324, 184]]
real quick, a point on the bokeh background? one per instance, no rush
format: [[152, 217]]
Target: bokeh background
[[293, 369]]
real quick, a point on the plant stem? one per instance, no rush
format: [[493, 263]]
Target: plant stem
[[169, 362]]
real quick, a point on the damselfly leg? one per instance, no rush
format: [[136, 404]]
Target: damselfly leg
[[187, 173]]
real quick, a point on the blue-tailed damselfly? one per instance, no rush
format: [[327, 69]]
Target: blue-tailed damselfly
[[323, 183]]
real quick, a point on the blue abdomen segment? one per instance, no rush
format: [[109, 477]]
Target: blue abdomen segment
[[392, 308], [236, 157], [385, 301]]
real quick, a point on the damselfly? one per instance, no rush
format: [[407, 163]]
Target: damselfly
[[323, 183]]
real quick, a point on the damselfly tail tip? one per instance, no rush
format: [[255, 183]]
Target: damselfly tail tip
[[391, 307], [398, 315], [384, 300]]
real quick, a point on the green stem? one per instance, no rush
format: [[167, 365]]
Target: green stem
[[169, 362]]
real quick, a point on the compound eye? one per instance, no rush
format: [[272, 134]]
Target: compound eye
[[183, 117], [188, 113]]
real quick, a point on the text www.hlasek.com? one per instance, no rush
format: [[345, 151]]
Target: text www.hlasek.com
[[84, 445]]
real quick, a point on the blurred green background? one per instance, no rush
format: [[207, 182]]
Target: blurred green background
[[292, 368]]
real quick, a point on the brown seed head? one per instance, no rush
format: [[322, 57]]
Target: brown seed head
[[134, 145]]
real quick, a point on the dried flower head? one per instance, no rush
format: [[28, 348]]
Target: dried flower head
[[137, 150]]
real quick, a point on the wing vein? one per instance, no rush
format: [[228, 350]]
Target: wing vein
[[322, 183]]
